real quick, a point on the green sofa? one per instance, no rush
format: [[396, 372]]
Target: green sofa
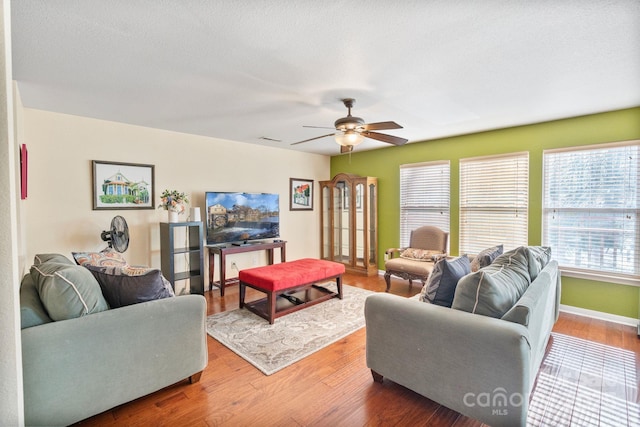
[[481, 365], [99, 358]]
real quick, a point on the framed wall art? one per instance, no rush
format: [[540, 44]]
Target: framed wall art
[[122, 185], [300, 194]]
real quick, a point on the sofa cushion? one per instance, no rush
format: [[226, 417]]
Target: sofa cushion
[[420, 254], [67, 291], [55, 258], [441, 286], [105, 258], [495, 289], [127, 285], [538, 258], [32, 312], [486, 257], [408, 266]]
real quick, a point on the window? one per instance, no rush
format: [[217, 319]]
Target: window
[[494, 200], [590, 208], [424, 197]]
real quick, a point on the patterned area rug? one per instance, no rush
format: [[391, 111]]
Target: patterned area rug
[[292, 337]]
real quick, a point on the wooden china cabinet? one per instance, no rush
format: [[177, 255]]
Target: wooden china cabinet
[[349, 222]]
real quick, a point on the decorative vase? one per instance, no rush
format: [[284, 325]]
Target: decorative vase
[[173, 216]]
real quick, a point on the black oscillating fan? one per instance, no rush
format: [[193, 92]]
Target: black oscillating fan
[[117, 237]]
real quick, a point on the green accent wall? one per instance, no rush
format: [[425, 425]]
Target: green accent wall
[[384, 164]]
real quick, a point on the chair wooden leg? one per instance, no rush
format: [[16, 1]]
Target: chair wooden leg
[[376, 376], [387, 278]]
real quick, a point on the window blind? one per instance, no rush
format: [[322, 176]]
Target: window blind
[[590, 208], [424, 197], [494, 198]]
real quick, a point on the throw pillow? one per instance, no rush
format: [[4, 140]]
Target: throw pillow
[[441, 286], [67, 291], [57, 258], [32, 312], [486, 257], [420, 254], [539, 257], [141, 285], [493, 290], [105, 258], [535, 295]]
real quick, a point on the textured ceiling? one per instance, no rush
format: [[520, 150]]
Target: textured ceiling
[[245, 69]]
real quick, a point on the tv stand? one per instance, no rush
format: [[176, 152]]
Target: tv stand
[[236, 248]]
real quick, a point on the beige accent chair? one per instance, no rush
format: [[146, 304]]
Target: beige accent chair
[[427, 238]]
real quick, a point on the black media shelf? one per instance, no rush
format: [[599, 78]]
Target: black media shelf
[[191, 255]]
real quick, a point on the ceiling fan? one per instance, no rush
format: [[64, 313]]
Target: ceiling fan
[[351, 131]]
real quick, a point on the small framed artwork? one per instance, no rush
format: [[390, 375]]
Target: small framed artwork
[[122, 185], [300, 194]]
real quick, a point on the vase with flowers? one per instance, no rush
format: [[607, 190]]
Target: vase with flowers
[[173, 201]]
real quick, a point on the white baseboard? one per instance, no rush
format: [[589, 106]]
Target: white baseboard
[[629, 321]]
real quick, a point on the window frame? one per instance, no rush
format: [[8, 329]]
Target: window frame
[[591, 273]]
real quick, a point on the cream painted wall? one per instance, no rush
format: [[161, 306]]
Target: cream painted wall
[[59, 216], [11, 400], [18, 121]]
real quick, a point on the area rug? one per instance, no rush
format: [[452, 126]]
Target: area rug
[[293, 337]]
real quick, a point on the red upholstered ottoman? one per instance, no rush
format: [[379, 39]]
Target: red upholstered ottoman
[[290, 286]]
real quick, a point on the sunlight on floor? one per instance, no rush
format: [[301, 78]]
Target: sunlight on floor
[[582, 383]]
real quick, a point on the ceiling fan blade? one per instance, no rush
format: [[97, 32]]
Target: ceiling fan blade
[[381, 126], [395, 140], [318, 127], [311, 139]]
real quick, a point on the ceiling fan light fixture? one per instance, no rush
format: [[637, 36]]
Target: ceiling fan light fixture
[[351, 131], [349, 138]]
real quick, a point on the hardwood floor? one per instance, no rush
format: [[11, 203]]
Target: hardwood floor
[[332, 387]]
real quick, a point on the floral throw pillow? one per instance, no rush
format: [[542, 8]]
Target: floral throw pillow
[[105, 258], [420, 254]]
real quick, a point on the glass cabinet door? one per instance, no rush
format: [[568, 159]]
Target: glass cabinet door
[[360, 235], [372, 224], [341, 222], [326, 223]]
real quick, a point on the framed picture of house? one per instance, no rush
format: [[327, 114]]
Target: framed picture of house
[[122, 185], [300, 194]]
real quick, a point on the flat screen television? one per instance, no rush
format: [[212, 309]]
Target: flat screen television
[[235, 217]]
